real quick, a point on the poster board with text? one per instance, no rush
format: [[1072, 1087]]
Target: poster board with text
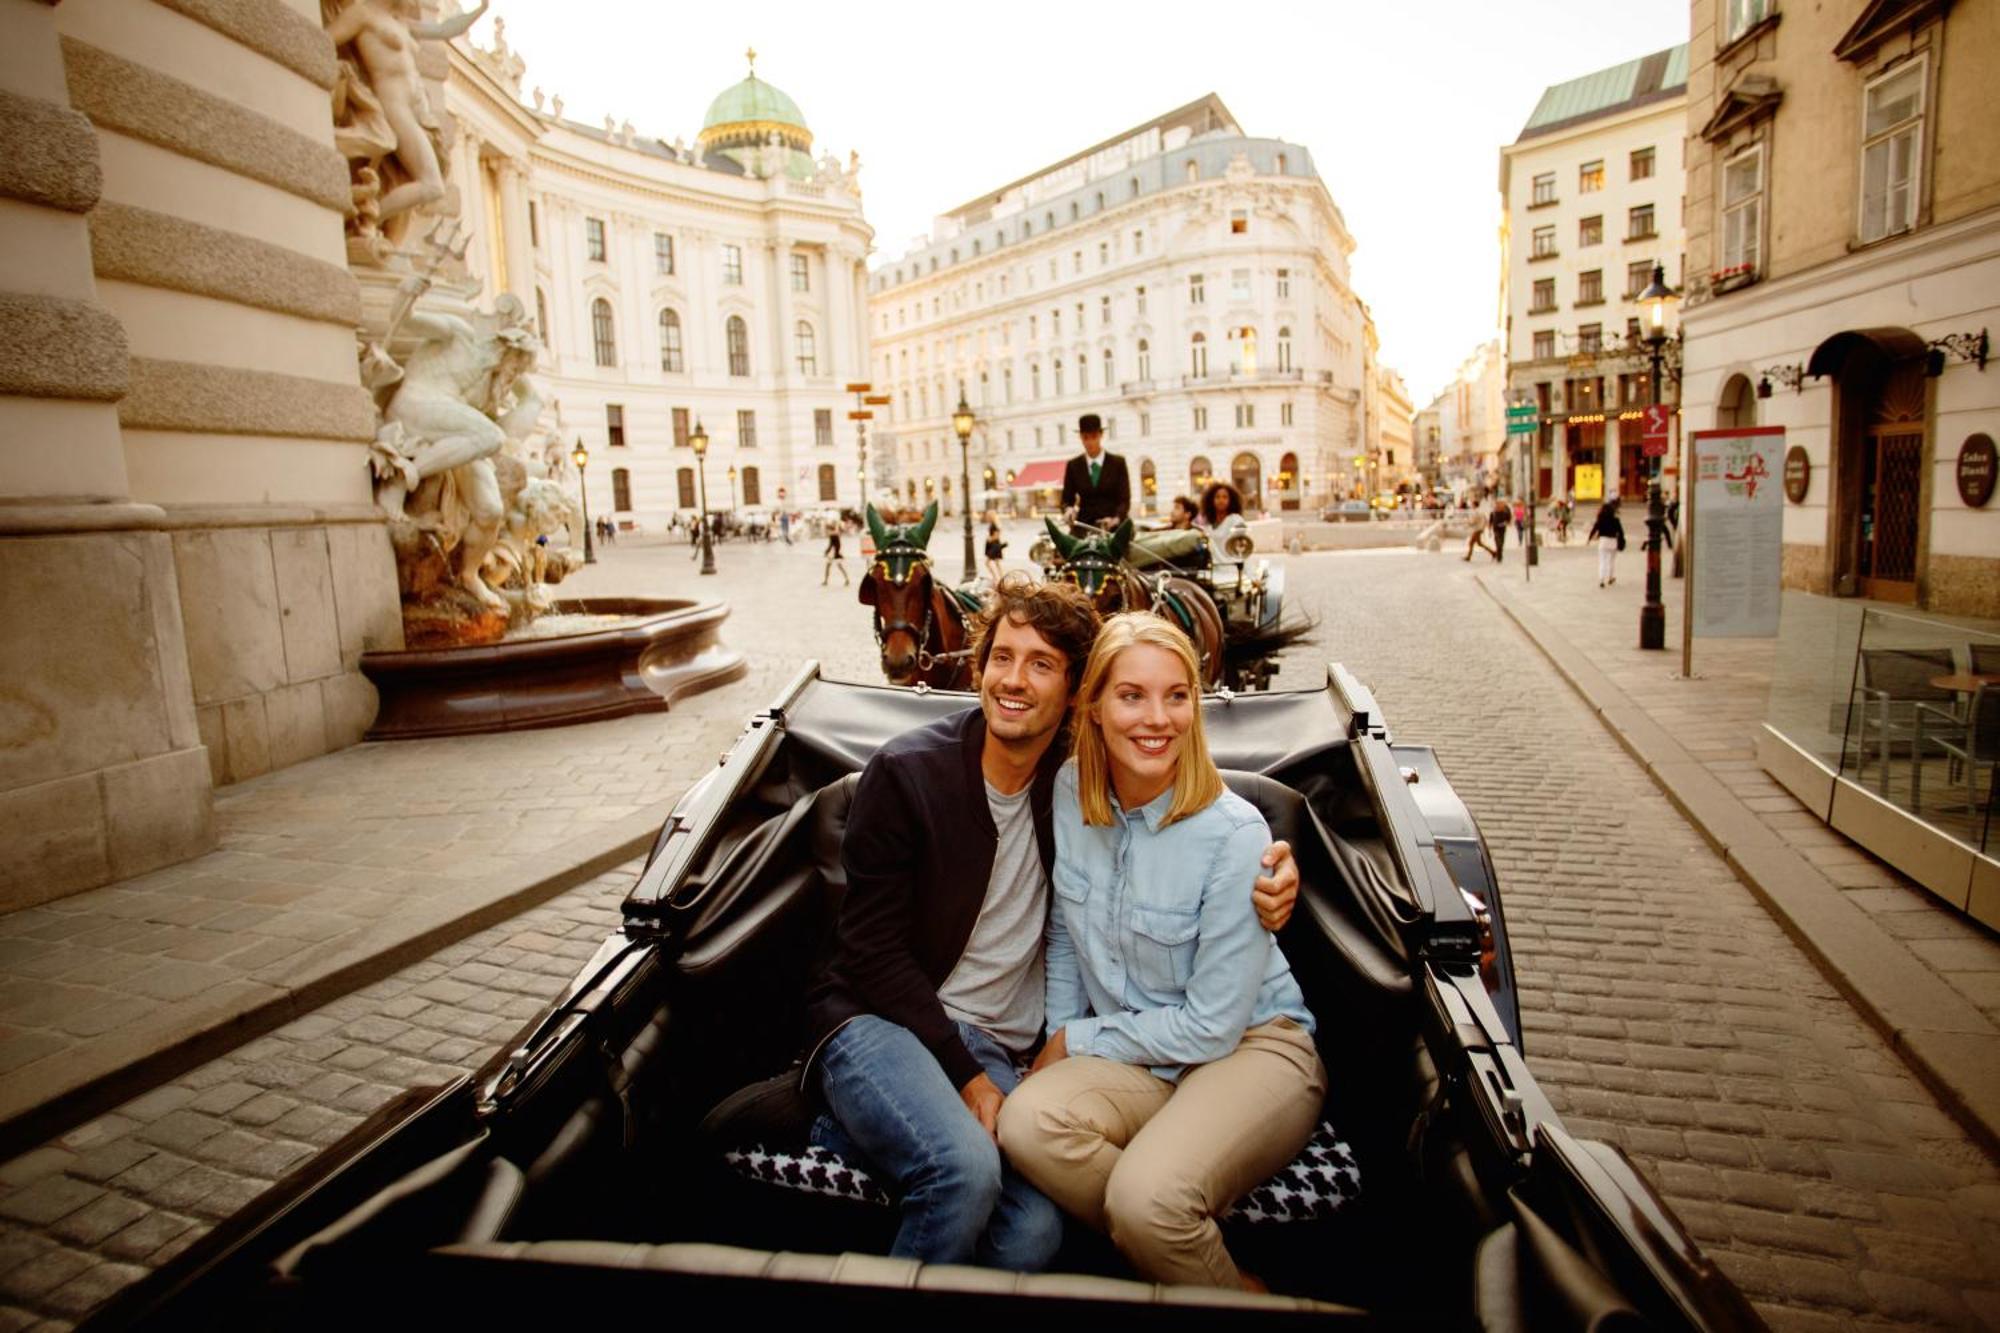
[[1738, 524]]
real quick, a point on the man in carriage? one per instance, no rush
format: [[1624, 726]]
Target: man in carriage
[[925, 1015]]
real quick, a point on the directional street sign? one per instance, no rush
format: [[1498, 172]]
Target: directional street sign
[[1522, 419], [1653, 435], [859, 388], [860, 416]]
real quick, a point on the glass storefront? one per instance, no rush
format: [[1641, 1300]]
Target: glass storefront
[[1898, 713]]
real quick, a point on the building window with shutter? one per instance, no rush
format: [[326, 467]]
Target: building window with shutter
[[680, 417], [614, 425], [671, 358], [753, 487], [663, 254], [1590, 287], [621, 490], [1892, 127], [1545, 296], [1544, 190], [1543, 245], [732, 265], [746, 430], [1639, 224], [603, 339], [593, 239], [805, 348], [1545, 344], [1196, 292], [1742, 212], [1590, 177], [736, 335], [823, 428], [1642, 164], [801, 274], [684, 484], [1590, 231], [828, 490], [1198, 356]]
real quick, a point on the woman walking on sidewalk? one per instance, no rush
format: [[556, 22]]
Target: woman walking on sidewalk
[[1610, 535], [833, 558]]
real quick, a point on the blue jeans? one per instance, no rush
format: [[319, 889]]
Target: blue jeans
[[895, 1110]]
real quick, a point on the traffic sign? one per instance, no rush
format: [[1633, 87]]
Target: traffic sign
[[859, 388], [1653, 434], [877, 400], [860, 416], [1521, 412]]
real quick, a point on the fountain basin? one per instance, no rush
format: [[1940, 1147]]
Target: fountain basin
[[657, 651]]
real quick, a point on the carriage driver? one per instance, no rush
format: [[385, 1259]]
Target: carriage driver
[[924, 1017], [1097, 488]]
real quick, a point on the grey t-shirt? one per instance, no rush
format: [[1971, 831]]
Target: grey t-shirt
[[997, 985]]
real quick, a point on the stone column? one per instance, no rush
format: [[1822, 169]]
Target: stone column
[[219, 246], [102, 770], [838, 346], [514, 226]]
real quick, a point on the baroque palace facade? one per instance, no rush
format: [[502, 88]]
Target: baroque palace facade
[[1183, 280], [718, 283]]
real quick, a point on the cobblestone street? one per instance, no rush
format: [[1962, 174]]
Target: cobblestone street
[[1665, 1010]]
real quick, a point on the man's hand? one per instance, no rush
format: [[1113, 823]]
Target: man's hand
[[1277, 893], [1054, 1049], [982, 1097]]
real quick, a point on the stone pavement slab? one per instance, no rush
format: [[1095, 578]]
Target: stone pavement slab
[[1921, 972]]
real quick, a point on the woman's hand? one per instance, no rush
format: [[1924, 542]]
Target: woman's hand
[[1054, 1049], [1277, 893], [982, 1097]]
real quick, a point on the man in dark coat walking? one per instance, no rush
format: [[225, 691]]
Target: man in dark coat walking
[[1096, 487]]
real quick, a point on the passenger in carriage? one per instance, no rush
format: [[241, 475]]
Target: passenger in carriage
[[1179, 1070], [924, 1016]]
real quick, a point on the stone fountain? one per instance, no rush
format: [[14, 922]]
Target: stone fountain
[[468, 462]]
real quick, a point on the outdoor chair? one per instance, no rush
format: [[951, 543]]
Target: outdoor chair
[[1985, 659], [1971, 742], [1895, 682]]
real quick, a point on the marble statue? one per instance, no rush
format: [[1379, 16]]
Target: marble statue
[[463, 394], [383, 121]]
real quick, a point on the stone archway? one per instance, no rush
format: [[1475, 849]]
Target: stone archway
[[1289, 482], [1738, 404]]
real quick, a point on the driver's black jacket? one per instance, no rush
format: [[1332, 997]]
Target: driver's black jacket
[[918, 852]]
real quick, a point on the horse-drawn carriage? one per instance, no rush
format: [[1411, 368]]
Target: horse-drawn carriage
[[607, 1165], [1229, 604]]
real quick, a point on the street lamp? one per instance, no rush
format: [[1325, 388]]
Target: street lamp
[[581, 457], [699, 443], [732, 488], [961, 421], [1653, 614]]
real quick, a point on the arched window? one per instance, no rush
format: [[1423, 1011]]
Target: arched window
[[1149, 486], [753, 487], [602, 337], [1145, 360], [1285, 348], [737, 334], [1199, 473], [542, 316], [1007, 383], [1246, 473], [1193, 170], [1738, 404], [1290, 485], [805, 348], [923, 401], [1083, 373], [1198, 356], [1110, 369], [671, 359], [1056, 366], [826, 482], [1034, 380], [1246, 350], [621, 489], [684, 481]]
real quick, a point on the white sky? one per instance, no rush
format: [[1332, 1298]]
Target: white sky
[[1404, 106]]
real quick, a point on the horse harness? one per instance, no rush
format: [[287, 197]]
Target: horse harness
[[898, 564]]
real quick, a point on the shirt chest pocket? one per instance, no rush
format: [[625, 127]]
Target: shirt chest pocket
[[1071, 883], [1163, 945]]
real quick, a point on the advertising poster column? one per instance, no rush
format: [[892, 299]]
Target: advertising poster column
[[1736, 525]]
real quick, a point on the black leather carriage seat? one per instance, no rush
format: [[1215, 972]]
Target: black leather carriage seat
[[872, 1270], [761, 1131]]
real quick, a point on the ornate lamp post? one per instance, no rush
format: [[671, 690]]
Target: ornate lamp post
[[1653, 614], [961, 422], [581, 457], [732, 488], [699, 443]]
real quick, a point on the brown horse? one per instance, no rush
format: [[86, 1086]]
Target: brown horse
[[1096, 564], [919, 624]]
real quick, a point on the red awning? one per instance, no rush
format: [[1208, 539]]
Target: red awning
[[1045, 475]]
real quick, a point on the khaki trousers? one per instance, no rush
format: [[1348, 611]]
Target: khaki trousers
[[1151, 1163]]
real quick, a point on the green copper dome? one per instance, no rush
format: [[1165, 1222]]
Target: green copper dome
[[752, 101]]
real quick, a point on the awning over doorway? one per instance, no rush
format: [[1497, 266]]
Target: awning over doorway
[[1044, 475], [1891, 344]]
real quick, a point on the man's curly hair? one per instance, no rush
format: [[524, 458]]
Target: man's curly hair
[[1059, 612]]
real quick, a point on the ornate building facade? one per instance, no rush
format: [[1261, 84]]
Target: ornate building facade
[[1591, 196], [718, 283], [1844, 272], [1183, 280]]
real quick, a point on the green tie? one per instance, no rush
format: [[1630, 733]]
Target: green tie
[[1094, 466]]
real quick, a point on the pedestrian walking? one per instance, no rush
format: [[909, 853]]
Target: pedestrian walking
[[1497, 521], [1610, 536], [1520, 522], [996, 547], [1559, 514], [833, 558], [785, 525]]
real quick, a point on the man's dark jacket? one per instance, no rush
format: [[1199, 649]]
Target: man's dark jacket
[[918, 852], [1109, 502]]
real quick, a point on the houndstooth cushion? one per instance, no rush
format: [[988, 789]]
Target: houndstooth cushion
[[1318, 1183], [812, 1169]]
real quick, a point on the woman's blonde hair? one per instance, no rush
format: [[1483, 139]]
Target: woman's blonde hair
[[1197, 783]]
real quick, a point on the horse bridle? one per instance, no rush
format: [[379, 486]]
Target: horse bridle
[[926, 659]]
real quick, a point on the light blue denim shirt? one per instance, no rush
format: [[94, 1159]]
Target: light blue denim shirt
[[1155, 953]]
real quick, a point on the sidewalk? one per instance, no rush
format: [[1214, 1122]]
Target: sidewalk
[[1927, 977]]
